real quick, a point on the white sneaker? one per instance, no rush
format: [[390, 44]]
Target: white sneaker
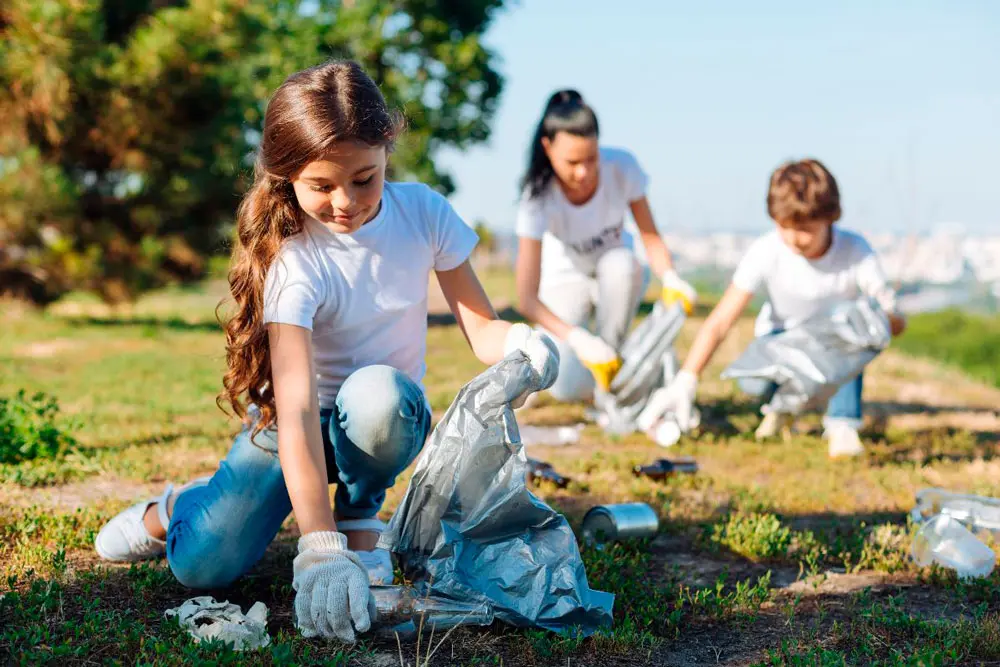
[[125, 538], [843, 440], [773, 425], [378, 562]]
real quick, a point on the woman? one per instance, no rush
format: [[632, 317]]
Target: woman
[[574, 259]]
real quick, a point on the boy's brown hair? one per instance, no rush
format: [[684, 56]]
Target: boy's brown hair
[[803, 191]]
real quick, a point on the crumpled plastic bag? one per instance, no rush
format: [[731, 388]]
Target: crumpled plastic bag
[[648, 363], [810, 362], [207, 620], [469, 529]]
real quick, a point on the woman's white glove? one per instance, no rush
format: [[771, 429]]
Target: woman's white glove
[[596, 355], [332, 598], [676, 400], [541, 353], [676, 289]]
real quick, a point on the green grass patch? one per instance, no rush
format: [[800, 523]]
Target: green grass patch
[[31, 428], [963, 340]]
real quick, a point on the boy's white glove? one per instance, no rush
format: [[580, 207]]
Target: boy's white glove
[[332, 598], [676, 400], [600, 358], [676, 289], [541, 352]]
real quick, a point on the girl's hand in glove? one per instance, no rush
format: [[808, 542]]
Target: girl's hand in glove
[[541, 352], [332, 598]]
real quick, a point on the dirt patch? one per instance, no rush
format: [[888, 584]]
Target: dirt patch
[[95, 490], [46, 349]]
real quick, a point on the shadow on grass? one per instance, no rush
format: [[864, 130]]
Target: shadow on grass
[[174, 323]]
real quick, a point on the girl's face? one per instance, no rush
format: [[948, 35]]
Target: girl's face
[[811, 239], [343, 189], [574, 160]]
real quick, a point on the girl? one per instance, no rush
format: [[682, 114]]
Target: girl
[[325, 354], [574, 259]]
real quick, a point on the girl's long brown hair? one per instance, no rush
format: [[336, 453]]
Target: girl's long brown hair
[[310, 112]]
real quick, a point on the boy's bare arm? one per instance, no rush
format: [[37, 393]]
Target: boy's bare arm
[[715, 328]]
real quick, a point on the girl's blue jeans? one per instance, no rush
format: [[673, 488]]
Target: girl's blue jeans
[[220, 530]]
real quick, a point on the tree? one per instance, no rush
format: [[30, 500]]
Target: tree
[[129, 124]]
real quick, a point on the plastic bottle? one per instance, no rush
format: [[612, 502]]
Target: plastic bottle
[[945, 541], [660, 469], [400, 610], [539, 470], [976, 512]]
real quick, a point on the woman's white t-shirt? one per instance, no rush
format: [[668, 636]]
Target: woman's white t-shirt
[[574, 237], [797, 287], [364, 295]]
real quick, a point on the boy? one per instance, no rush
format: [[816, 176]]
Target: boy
[[805, 266]]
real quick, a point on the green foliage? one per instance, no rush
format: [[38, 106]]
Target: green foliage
[[127, 126], [754, 536], [966, 341], [29, 428]]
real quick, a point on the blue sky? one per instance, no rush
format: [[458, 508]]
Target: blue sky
[[901, 100]]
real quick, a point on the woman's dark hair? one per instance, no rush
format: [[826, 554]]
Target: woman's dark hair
[[565, 112]]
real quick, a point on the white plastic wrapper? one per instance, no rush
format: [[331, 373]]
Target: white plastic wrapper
[[648, 363], [206, 620], [469, 529], [810, 362]]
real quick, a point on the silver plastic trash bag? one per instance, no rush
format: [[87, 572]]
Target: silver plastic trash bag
[[810, 362], [648, 363], [469, 529]]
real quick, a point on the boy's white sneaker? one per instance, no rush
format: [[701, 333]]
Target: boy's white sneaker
[[773, 425], [843, 440], [125, 538]]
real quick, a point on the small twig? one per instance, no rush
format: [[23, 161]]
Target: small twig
[[400, 647]]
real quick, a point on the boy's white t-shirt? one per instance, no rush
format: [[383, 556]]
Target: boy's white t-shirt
[[574, 237], [364, 295], [797, 288]]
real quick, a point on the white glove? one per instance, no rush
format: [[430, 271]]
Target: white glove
[[591, 349], [600, 358], [332, 597], [541, 352], [676, 288], [676, 400]]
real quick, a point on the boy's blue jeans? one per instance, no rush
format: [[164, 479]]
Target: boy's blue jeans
[[844, 406], [219, 531]]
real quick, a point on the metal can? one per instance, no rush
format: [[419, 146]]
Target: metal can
[[613, 523]]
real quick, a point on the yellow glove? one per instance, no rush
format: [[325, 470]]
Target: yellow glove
[[597, 356], [677, 289]]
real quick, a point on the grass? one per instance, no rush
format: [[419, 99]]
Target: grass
[[771, 554], [966, 341]]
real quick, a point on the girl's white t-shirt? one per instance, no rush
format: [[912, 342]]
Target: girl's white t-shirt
[[797, 288], [574, 237], [364, 295]]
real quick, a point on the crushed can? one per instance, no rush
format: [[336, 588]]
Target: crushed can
[[616, 523]]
